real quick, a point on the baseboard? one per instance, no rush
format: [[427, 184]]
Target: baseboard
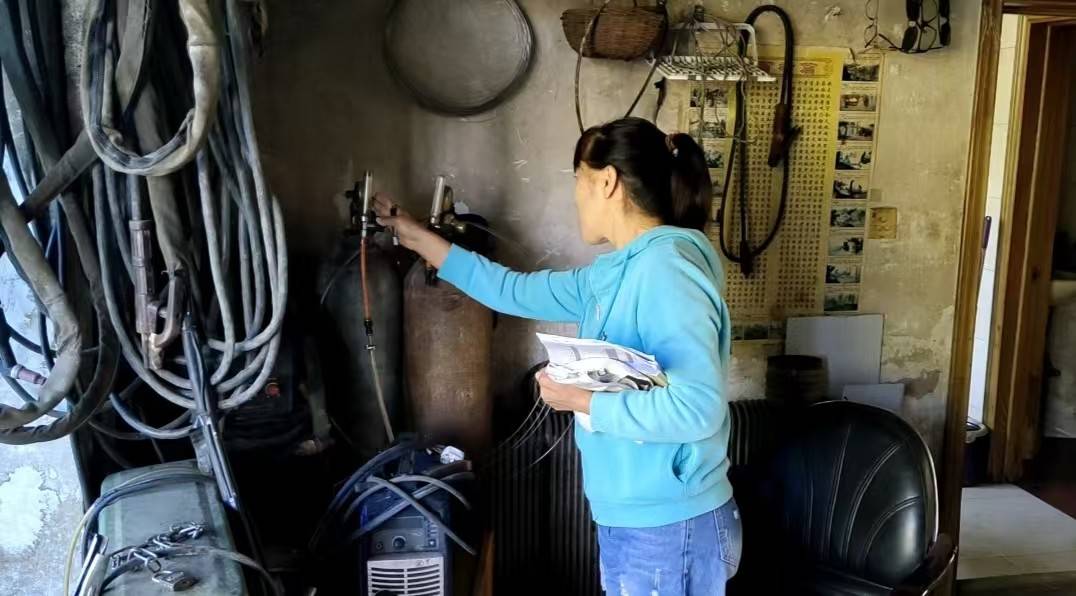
[[1010, 585]]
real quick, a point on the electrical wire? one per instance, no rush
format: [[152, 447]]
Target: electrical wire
[[195, 550], [523, 432], [650, 74], [371, 347], [552, 447]]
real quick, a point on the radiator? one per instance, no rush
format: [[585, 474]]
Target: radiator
[[545, 542]]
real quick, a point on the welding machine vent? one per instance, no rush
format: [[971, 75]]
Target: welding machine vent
[[406, 575]]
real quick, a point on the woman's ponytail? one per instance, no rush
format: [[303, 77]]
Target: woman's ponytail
[[665, 175], [691, 190]]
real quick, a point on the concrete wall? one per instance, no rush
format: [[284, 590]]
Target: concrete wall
[[327, 109]]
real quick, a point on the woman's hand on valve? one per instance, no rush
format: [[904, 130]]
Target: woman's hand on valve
[[412, 233]]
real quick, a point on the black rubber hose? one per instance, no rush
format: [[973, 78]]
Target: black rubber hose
[[43, 130], [22, 247], [747, 255]]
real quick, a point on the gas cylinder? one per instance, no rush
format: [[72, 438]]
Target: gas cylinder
[[350, 382], [448, 340]]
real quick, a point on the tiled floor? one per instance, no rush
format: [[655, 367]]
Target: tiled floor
[[1005, 530]]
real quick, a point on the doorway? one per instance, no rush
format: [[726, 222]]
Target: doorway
[[1015, 498]]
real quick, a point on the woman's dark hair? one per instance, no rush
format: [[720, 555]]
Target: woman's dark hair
[[664, 175]]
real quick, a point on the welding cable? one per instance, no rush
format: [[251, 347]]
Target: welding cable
[[434, 480], [356, 479], [43, 130], [419, 507], [169, 385], [175, 387], [110, 451], [194, 550], [130, 353], [166, 434], [171, 379], [780, 153], [215, 267], [125, 395], [270, 214], [433, 483], [23, 341], [391, 512], [11, 373], [106, 362], [133, 357], [22, 247], [115, 211]]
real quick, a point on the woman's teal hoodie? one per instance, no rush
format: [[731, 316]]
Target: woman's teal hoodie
[[659, 456]]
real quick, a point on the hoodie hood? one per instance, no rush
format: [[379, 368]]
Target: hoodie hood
[[608, 270]]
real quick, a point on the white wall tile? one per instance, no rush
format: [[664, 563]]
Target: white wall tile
[[1003, 95], [1009, 28], [977, 389], [998, 142], [985, 307]]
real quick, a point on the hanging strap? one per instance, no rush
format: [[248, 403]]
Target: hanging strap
[[203, 50]]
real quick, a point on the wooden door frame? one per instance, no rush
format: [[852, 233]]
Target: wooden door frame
[[970, 255], [1030, 206]]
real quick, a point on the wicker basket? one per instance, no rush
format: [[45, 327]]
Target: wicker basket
[[619, 33]]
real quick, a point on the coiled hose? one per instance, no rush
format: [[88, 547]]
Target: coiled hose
[[216, 139]]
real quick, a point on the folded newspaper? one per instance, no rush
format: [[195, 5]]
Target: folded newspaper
[[599, 366]]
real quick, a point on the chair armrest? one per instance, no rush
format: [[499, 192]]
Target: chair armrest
[[931, 571]]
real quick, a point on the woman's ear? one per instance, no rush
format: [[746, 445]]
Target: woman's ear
[[608, 180]]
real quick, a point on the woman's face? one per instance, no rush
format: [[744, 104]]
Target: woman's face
[[594, 200]]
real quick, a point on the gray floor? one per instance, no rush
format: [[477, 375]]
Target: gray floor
[[1004, 530], [40, 499]]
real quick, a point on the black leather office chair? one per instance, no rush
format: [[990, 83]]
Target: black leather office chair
[[847, 506]]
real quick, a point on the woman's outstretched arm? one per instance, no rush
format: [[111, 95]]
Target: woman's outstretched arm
[[543, 295]]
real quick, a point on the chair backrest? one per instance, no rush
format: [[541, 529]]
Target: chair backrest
[[855, 492]]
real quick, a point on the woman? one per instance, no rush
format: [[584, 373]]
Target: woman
[[655, 462]]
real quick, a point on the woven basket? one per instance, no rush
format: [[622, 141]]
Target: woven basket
[[619, 33]]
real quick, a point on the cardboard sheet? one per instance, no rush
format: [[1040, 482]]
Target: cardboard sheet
[[851, 347]]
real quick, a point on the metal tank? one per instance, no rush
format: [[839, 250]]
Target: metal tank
[[352, 385], [448, 339]]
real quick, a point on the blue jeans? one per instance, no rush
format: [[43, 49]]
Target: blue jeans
[[689, 558]]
